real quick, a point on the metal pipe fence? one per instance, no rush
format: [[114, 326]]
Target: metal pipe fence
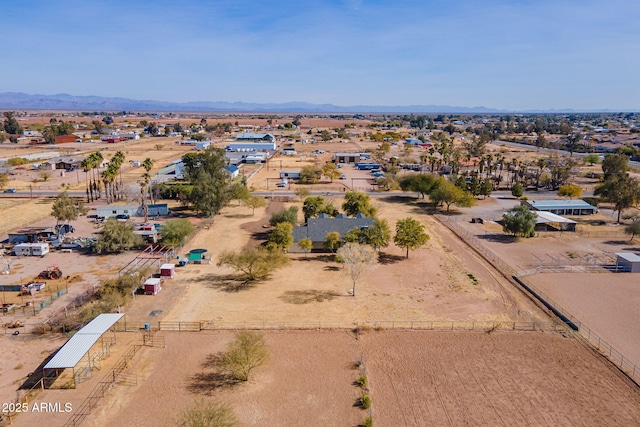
[[427, 325]]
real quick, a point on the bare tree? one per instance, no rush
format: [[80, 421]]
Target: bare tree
[[357, 258]]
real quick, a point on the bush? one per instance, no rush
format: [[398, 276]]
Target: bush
[[368, 422], [207, 414], [247, 352], [362, 381], [364, 401]]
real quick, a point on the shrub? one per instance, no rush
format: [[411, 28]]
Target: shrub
[[364, 401], [368, 422], [362, 381]]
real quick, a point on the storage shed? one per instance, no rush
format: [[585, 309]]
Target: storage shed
[[627, 261], [167, 271], [152, 286], [198, 256]]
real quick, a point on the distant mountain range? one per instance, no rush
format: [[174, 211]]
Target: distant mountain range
[[63, 101]]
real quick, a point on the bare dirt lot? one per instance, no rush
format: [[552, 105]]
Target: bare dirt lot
[[432, 284], [415, 379]]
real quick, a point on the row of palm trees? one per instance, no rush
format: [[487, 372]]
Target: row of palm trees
[[110, 179]]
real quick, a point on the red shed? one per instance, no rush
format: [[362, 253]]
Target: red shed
[[167, 271], [152, 286]]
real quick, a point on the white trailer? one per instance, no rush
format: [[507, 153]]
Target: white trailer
[[31, 249]]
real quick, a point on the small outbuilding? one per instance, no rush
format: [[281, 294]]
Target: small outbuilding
[[628, 262], [167, 271], [152, 286]]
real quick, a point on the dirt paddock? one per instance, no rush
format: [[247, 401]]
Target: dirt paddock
[[415, 379]]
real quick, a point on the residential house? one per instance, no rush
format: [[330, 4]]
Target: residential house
[[316, 229]]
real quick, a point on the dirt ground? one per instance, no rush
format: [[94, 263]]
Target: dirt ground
[[414, 379], [432, 284], [604, 301]]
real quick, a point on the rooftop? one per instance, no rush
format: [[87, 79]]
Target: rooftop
[[316, 229], [79, 344], [560, 204]]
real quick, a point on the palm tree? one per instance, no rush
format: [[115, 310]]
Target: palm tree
[[119, 160], [146, 177], [85, 164], [98, 158]]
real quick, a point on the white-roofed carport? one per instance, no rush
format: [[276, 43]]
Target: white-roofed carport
[[548, 219], [80, 346]]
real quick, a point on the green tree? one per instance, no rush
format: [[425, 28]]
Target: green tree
[[175, 231], [281, 237], [621, 190], [615, 164], [211, 184], [519, 221], [65, 209], [3, 180], [11, 125], [419, 183], [310, 174], [332, 241], [377, 236], [356, 202], [450, 194], [253, 263], [570, 191], [289, 215], [486, 187], [246, 352], [254, 202], [592, 159], [306, 245], [312, 206], [633, 229], [356, 258], [207, 414], [410, 235], [117, 236], [331, 171], [517, 190]]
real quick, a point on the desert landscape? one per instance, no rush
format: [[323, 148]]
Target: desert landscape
[[444, 337]]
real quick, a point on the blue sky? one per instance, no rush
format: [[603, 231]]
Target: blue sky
[[507, 54]]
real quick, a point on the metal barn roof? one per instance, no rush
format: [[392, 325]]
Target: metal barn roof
[[79, 344], [560, 204]]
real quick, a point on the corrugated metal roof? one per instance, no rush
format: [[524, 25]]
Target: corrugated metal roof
[[560, 204], [545, 217], [628, 256], [79, 344]]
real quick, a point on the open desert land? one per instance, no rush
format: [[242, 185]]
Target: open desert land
[[414, 378]]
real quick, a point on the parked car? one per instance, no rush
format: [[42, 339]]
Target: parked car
[[123, 216], [10, 190], [281, 185], [343, 176]]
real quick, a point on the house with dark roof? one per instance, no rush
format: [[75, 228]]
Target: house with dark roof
[[316, 229]]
